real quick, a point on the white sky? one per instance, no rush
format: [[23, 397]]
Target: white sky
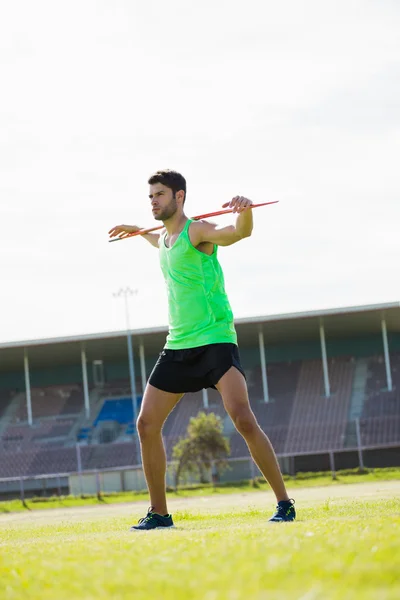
[[290, 101]]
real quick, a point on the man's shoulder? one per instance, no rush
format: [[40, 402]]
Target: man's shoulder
[[197, 229]]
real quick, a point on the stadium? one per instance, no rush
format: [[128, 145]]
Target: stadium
[[324, 385], [122, 119]]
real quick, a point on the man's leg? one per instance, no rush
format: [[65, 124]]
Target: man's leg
[[156, 406], [233, 389]]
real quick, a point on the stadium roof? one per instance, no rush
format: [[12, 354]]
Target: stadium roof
[[344, 322]]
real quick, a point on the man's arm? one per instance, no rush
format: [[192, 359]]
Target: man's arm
[[204, 231], [123, 231]]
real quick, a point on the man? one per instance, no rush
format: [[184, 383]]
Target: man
[[201, 349]]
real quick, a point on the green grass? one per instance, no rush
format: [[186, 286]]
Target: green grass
[[344, 546], [301, 480]]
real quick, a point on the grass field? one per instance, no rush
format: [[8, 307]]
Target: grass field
[[345, 545]]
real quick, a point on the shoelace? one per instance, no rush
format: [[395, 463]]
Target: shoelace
[[148, 517], [145, 519]]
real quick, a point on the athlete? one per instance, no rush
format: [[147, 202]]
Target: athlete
[[201, 348]]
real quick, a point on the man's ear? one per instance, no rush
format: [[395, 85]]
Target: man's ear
[[180, 196]]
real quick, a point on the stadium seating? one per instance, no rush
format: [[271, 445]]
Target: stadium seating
[[298, 418], [169, 443], [103, 456], [178, 420], [283, 379], [377, 381], [239, 448], [382, 405], [74, 402], [51, 401], [379, 402], [39, 460], [384, 430], [318, 423], [22, 436], [6, 397], [120, 387], [380, 419], [117, 409]]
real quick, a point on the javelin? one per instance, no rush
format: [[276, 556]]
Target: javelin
[[206, 216]]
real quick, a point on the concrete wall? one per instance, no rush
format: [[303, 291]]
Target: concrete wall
[[133, 479], [33, 487]]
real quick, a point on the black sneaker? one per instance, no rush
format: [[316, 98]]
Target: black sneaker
[[285, 511], [153, 521]]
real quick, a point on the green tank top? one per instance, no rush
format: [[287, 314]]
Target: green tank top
[[198, 307]]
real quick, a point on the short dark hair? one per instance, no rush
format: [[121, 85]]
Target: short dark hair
[[171, 179]]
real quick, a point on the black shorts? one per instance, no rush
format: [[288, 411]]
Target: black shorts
[[192, 369]]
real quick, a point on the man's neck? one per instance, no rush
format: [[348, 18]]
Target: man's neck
[[175, 224]]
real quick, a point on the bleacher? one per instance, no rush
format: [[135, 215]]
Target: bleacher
[[177, 422], [376, 431], [274, 416], [51, 401], [298, 418], [238, 446], [119, 410], [17, 437], [55, 410], [115, 414], [103, 456], [318, 423], [382, 405], [6, 397], [380, 419], [39, 460]]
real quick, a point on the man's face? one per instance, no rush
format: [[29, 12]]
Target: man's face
[[163, 202]]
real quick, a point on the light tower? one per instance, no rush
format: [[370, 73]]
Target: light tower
[[126, 293]]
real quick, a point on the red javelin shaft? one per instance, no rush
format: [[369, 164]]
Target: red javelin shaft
[[206, 216]]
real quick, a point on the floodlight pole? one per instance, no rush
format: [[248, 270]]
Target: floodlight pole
[[27, 387], [386, 354], [263, 365], [324, 360], [125, 293]]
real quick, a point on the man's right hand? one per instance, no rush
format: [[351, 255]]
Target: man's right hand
[[123, 231]]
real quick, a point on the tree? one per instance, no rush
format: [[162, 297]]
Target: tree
[[203, 445]]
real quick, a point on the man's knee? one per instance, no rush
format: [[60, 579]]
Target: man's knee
[[147, 427], [245, 422]]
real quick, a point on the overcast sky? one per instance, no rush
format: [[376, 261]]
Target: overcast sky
[[290, 101]]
